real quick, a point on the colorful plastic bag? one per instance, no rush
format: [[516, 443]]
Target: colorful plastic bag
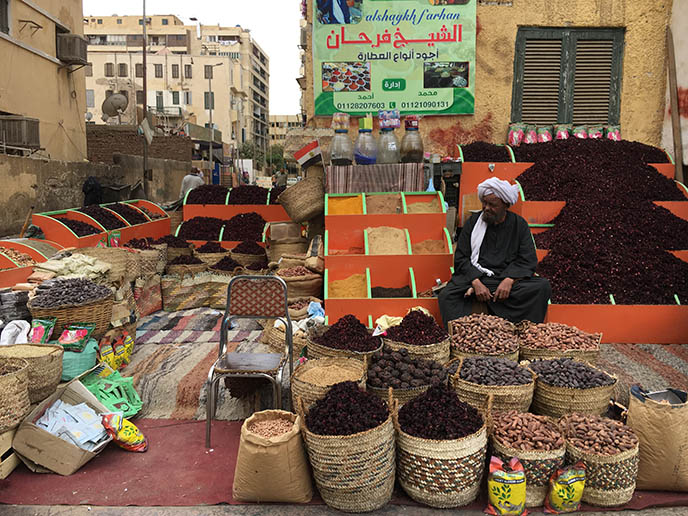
[[506, 488], [115, 348], [516, 134], [580, 132], [42, 329], [596, 132], [565, 489], [544, 134], [75, 336], [562, 131], [125, 433], [613, 132], [531, 135]]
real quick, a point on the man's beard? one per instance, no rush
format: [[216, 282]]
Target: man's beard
[[490, 218]]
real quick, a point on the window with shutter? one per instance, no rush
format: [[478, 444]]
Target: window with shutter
[[567, 76], [187, 71], [175, 98], [109, 69], [175, 71], [139, 97], [122, 72], [158, 70], [88, 70], [139, 69], [5, 16]]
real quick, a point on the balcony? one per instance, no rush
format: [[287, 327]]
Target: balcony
[[168, 111]]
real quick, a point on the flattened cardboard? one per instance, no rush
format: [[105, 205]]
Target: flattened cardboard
[[11, 460], [46, 451]]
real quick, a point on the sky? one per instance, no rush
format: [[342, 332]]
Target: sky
[[274, 25]]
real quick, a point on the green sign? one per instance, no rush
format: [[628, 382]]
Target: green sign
[[417, 56]]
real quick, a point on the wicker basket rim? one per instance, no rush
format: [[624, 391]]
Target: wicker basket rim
[[482, 429], [309, 341], [544, 385], [22, 367], [54, 348], [415, 346], [61, 307], [385, 390], [546, 454], [381, 426], [599, 458], [355, 364], [495, 354]]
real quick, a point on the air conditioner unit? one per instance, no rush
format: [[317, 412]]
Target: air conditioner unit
[[19, 131], [71, 49], [304, 36]]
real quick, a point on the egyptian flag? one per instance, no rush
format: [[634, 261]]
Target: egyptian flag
[[309, 154]]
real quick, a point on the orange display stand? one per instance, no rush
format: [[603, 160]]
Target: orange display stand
[[270, 212], [58, 232]]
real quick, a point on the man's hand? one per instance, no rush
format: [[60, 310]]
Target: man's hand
[[482, 293], [503, 290]]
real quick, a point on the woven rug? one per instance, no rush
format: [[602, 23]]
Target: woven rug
[[195, 325]]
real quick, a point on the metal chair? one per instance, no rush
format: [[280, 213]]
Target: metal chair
[[251, 297]]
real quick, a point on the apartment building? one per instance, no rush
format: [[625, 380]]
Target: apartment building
[[42, 87], [280, 125], [190, 68]]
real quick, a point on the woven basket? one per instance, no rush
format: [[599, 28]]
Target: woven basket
[[441, 474], [44, 367], [316, 350], [309, 392], [539, 467], [504, 397], [114, 256], [97, 312], [149, 259], [609, 479], [353, 473], [176, 218], [162, 257], [304, 286], [402, 396], [304, 200], [210, 258], [438, 352], [546, 354], [457, 353], [174, 252], [552, 401], [246, 259], [14, 394], [274, 338], [184, 270], [278, 250]]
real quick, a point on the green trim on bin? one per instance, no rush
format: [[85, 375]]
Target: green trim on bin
[[676, 299], [404, 206], [370, 322], [185, 196], [671, 158], [460, 152], [452, 269], [10, 259], [414, 293], [265, 232], [327, 242], [363, 202], [176, 233], [520, 191], [531, 225], [227, 198], [682, 185], [68, 228], [611, 298], [533, 239], [511, 152], [369, 291], [57, 212], [408, 242], [365, 243], [164, 213], [14, 241], [326, 281], [97, 224], [442, 203], [549, 301], [447, 236], [327, 204], [222, 233], [327, 320]]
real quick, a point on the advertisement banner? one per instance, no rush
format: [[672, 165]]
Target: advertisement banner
[[417, 56]]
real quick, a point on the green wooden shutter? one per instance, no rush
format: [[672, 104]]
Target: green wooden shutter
[[541, 76], [592, 81]]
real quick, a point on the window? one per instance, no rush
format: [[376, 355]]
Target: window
[[187, 98], [158, 70], [212, 39], [209, 100], [175, 71], [208, 71], [122, 70], [187, 71], [139, 97], [100, 21], [119, 21], [90, 98], [5, 16], [567, 76], [140, 21], [109, 69], [88, 69], [138, 69], [159, 103], [175, 98], [165, 21]]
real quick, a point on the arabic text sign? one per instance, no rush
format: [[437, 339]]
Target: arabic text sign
[[408, 55]]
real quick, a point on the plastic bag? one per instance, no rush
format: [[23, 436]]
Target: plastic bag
[[125, 433], [580, 132], [16, 332], [75, 336], [544, 134], [42, 329], [74, 364], [562, 131], [565, 489], [531, 134], [115, 349], [596, 132], [613, 132], [506, 488], [516, 134]]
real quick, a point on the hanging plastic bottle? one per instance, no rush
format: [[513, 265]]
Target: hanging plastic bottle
[[411, 143], [388, 146], [341, 148], [365, 149]]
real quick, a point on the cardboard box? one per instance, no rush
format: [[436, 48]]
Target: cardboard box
[[8, 459], [40, 450]]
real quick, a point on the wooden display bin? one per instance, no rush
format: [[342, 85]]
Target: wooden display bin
[[57, 231], [270, 212]]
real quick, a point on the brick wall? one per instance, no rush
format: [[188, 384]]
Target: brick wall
[[105, 140]]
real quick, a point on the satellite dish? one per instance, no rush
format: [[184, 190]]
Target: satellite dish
[[114, 105]]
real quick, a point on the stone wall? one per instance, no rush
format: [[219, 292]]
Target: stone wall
[[104, 141]]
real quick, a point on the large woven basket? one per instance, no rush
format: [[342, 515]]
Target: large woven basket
[[353, 473], [316, 350], [184, 270], [114, 256], [275, 339], [310, 392], [148, 259], [97, 312], [504, 397], [609, 479], [246, 259], [298, 315], [277, 250], [457, 353], [304, 200], [402, 396], [438, 352], [539, 466], [174, 252], [14, 394], [210, 258], [162, 257], [44, 367], [547, 354], [552, 401], [438, 473]]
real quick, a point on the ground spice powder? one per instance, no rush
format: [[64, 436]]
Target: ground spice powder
[[352, 287], [423, 207], [345, 205], [386, 240], [329, 375], [383, 204], [429, 247]]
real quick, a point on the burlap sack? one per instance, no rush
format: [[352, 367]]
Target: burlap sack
[[275, 469], [661, 430]]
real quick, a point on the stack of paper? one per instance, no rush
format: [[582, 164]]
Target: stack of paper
[[76, 424]]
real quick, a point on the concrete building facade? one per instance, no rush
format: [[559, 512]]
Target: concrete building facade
[[36, 83], [180, 61], [280, 125]]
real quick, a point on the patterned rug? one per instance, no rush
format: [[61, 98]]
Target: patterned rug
[[196, 325]]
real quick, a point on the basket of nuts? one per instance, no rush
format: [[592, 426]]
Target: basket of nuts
[[555, 340], [475, 379], [479, 335], [564, 385], [536, 442], [609, 450]]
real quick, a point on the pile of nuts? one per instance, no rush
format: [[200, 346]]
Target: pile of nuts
[[21, 259], [397, 369], [527, 432], [492, 371], [293, 272], [299, 304], [557, 336], [564, 372], [483, 334], [596, 434], [56, 293], [270, 427]]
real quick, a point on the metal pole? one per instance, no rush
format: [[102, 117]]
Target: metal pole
[[146, 184], [212, 127]]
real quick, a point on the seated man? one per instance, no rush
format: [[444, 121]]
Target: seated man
[[495, 261]]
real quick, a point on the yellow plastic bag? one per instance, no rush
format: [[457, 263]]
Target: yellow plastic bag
[[566, 489], [125, 433], [506, 488]]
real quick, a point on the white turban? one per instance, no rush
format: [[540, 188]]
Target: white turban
[[502, 189]]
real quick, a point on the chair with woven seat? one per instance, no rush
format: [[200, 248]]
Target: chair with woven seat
[[251, 297]]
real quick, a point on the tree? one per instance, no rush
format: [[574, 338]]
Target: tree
[[275, 157], [249, 150]]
